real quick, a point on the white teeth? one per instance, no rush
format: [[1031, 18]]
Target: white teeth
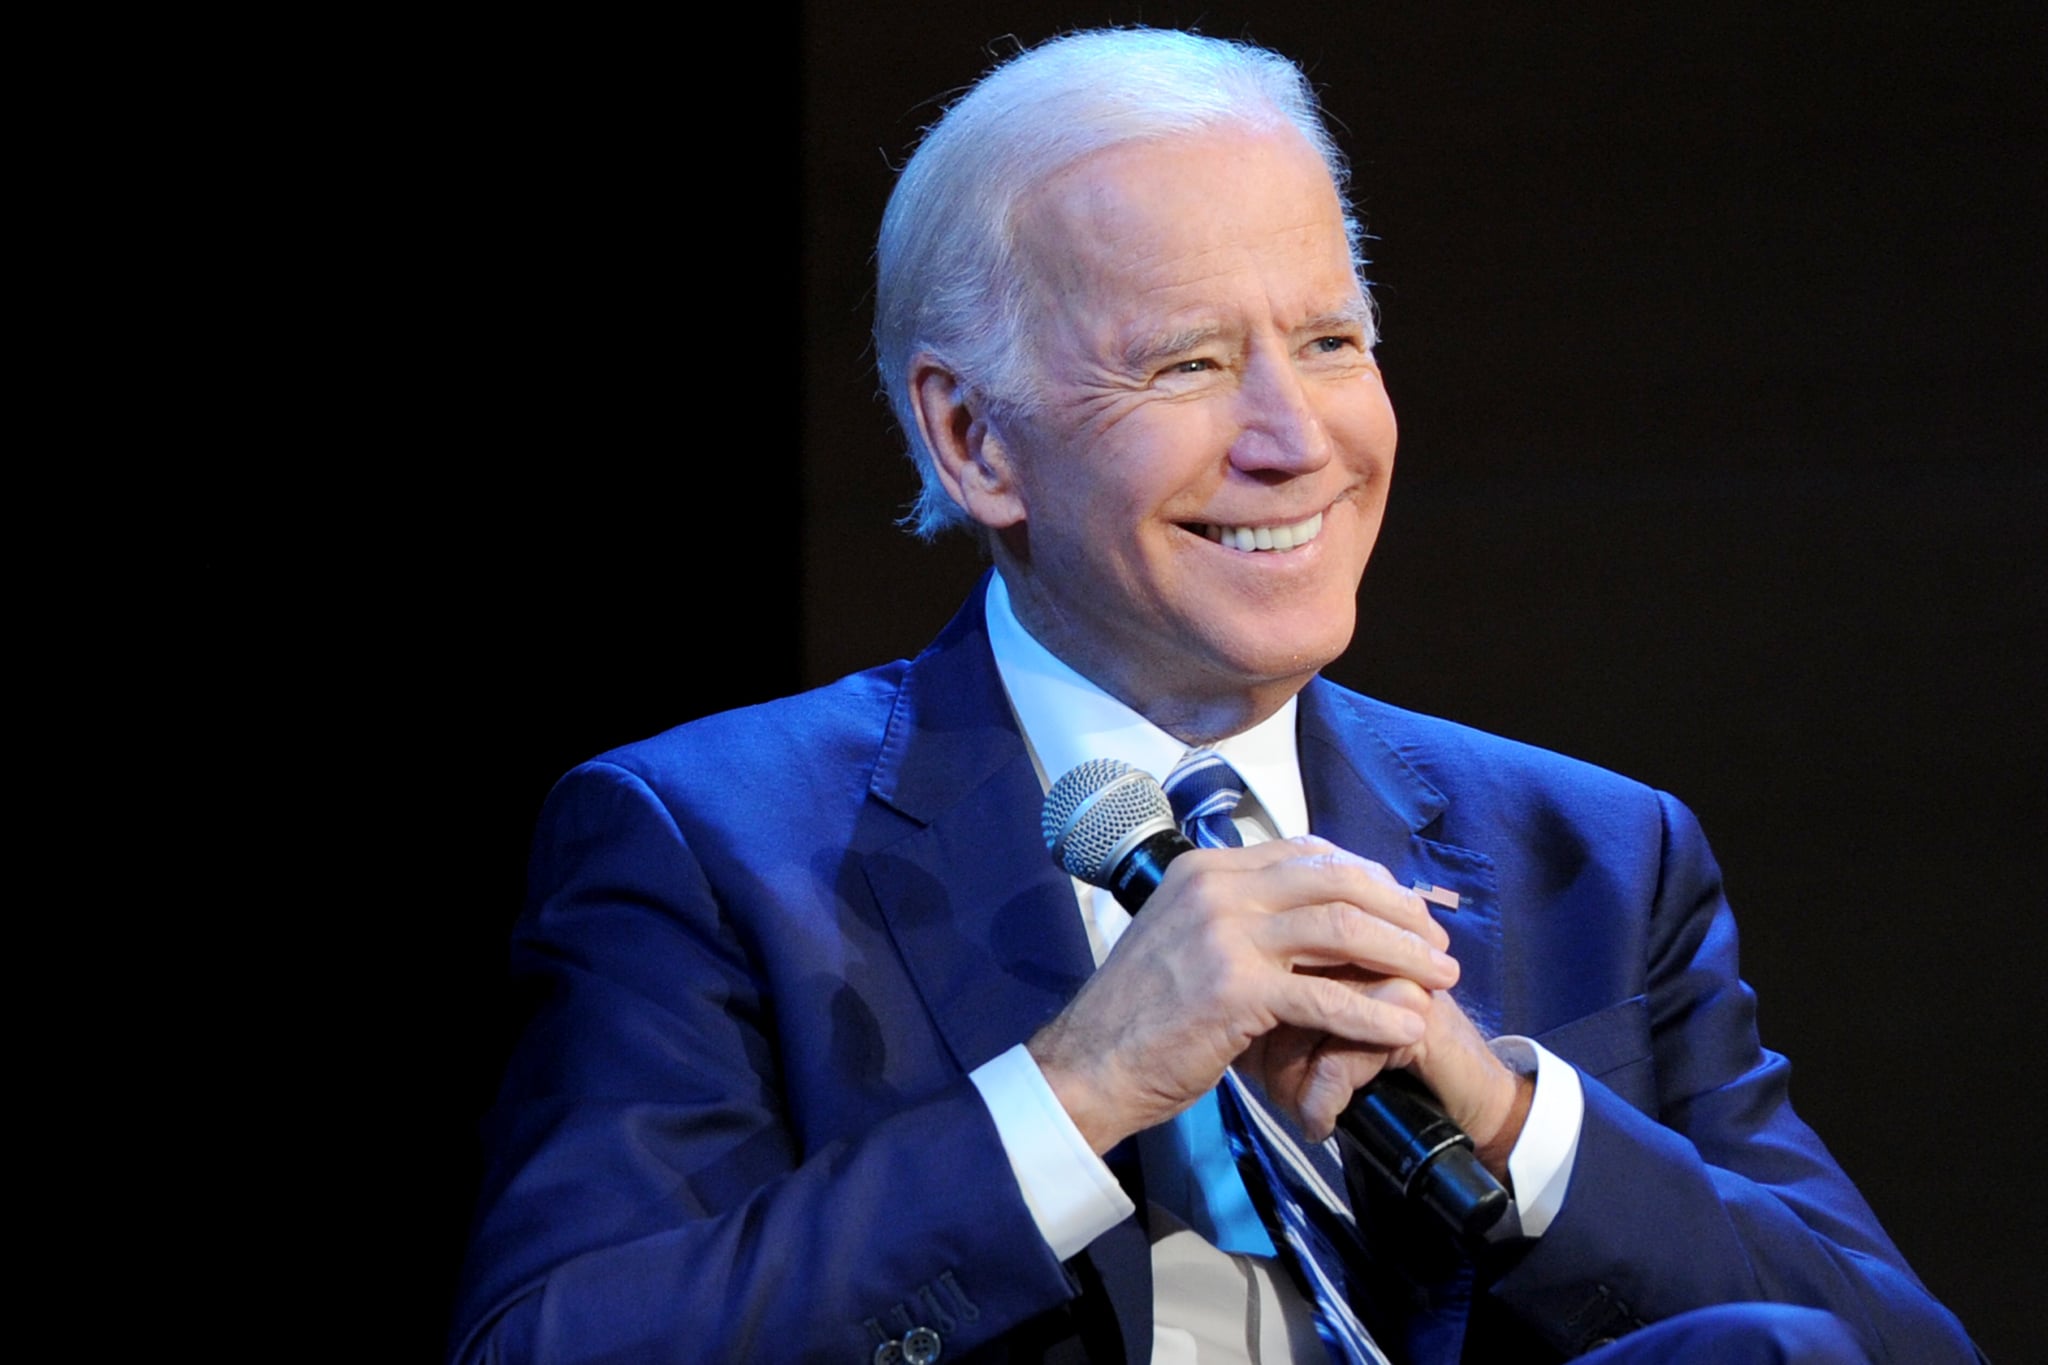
[[1266, 537]]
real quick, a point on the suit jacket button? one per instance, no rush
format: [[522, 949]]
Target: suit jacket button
[[888, 1353], [920, 1346]]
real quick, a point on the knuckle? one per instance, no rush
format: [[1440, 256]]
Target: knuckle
[[1326, 993], [1234, 980], [1401, 993], [1192, 869], [1321, 857], [1346, 923], [1204, 890], [1359, 931], [1336, 999]]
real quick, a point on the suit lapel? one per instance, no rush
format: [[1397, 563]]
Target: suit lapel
[[1366, 796], [986, 924]]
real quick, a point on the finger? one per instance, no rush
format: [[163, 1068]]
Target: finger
[[1412, 901], [1397, 991], [1305, 870], [1239, 877], [1328, 873], [1324, 1006], [1266, 853], [1332, 935], [1338, 1074], [1313, 1075], [1281, 1061]]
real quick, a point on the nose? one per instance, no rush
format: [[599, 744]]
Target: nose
[[1280, 431]]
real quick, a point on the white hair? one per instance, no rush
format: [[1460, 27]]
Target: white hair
[[948, 280]]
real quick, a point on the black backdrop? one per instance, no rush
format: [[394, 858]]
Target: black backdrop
[[1715, 338]]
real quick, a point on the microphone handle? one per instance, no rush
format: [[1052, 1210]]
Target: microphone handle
[[1407, 1137], [1395, 1120]]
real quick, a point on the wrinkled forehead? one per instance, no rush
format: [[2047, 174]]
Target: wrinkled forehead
[[1145, 231]]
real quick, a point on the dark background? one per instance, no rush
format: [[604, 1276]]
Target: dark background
[[1716, 341]]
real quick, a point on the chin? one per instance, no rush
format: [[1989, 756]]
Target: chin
[[1299, 654]]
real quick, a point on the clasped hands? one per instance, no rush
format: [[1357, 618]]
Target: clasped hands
[[1307, 967]]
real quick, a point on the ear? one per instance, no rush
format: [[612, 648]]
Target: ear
[[974, 463]]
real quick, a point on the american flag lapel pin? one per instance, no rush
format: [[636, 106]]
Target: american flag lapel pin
[[1436, 895]]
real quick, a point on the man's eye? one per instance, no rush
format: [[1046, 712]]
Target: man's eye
[[1190, 366], [1326, 345]]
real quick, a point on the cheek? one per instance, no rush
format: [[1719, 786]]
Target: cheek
[[1375, 431]]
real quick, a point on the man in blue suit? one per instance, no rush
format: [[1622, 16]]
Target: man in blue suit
[[828, 1062]]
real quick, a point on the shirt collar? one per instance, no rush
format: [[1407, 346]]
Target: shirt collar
[[1067, 720]]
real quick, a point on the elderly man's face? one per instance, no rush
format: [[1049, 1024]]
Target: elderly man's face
[[1203, 484]]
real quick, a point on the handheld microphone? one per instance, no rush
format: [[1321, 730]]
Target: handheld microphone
[[1111, 826]]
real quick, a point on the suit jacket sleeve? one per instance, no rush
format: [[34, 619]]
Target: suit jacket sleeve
[[654, 1193], [1695, 1183]]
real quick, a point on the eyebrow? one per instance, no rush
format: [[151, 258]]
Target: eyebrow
[[1357, 313], [1146, 351]]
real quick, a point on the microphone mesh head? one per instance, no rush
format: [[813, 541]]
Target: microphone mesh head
[[1092, 814]]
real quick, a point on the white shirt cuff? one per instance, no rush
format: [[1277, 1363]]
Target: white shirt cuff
[[1071, 1194], [1540, 1166]]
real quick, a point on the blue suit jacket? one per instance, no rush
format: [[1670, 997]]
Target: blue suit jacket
[[764, 950]]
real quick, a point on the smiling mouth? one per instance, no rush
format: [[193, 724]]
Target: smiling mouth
[[1290, 537]]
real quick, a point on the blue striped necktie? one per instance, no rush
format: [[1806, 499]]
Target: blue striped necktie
[[1297, 1185], [1204, 789]]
